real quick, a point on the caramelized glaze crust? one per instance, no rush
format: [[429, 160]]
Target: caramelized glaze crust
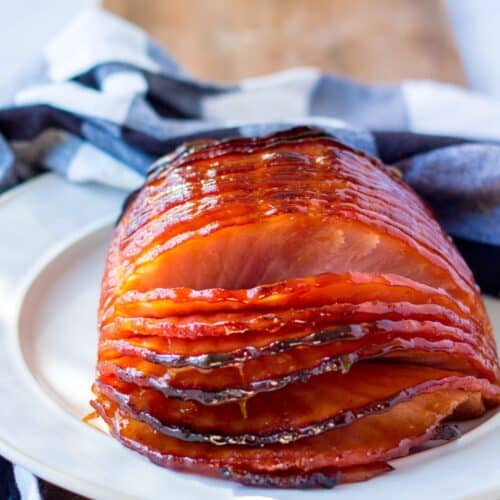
[[285, 311]]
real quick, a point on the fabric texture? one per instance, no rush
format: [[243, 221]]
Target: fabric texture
[[103, 101]]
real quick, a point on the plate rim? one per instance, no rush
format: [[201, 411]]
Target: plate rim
[[8, 450]]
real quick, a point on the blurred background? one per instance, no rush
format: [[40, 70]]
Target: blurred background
[[381, 41]]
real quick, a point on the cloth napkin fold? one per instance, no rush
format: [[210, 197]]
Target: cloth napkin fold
[[102, 101]]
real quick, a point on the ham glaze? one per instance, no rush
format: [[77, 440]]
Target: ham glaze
[[285, 311]]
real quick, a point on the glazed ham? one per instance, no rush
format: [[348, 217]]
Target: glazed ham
[[286, 312]]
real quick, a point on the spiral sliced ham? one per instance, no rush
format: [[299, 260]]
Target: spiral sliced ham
[[284, 311]]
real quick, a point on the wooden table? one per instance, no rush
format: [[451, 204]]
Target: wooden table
[[370, 40]]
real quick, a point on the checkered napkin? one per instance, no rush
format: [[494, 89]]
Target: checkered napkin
[[103, 101]]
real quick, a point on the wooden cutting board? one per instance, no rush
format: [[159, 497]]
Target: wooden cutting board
[[370, 40]]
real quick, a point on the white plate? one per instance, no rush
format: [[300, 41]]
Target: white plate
[[54, 237]]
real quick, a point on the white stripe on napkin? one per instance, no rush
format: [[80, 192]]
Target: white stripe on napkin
[[75, 98], [437, 108], [92, 164], [285, 95], [93, 38], [27, 484]]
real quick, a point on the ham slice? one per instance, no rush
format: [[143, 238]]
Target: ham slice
[[213, 352], [312, 290], [284, 311], [298, 411], [373, 439]]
